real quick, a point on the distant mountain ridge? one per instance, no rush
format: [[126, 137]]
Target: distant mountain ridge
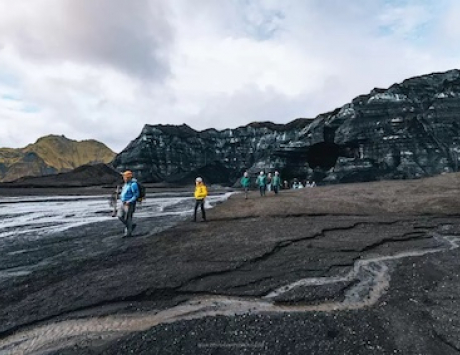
[[50, 155], [83, 176]]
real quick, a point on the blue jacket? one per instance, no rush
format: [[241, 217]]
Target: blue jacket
[[130, 191]]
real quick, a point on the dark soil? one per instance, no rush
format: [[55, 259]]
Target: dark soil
[[217, 287]]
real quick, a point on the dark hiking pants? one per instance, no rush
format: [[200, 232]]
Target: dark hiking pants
[[262, 190], [203, 213]]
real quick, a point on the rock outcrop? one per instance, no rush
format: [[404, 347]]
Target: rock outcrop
[[50, 155], [175, 153], [409, 130]]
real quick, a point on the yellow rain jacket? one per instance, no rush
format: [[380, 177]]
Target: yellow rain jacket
[[200, 191]]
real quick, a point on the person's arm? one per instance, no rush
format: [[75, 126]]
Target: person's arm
[[205, 191]]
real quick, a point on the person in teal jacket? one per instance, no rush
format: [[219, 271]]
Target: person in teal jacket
[[246, 183], [276, 182], [262, 183]]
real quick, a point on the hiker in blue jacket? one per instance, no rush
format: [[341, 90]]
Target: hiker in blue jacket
[[128, 197]]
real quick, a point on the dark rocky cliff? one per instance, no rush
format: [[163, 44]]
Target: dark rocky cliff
[[409, 130], [178, 153]]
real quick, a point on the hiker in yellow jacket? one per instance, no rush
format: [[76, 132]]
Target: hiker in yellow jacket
[[200, 194]]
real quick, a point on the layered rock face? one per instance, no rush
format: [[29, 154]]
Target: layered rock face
[[177, 153], [409, 130]]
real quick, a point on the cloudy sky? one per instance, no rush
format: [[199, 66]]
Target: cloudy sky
[[101, 69]]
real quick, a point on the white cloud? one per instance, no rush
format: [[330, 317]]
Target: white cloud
[[451, 25], [102, 69], [130, 36]]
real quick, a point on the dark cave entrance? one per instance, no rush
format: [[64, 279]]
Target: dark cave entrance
[[323, 155]]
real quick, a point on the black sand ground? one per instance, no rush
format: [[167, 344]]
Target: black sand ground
[[377, 267]]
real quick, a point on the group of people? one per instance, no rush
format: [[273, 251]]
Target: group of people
[[298, 185], [263, 182], [129, 196]]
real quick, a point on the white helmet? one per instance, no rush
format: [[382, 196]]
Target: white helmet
[[261, 173], [198, 179]]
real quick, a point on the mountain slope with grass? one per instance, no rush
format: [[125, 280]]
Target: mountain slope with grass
[[50, 155]]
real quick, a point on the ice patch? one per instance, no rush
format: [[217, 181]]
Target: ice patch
[[387, 97]]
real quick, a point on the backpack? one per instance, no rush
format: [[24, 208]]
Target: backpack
[[142, 192]]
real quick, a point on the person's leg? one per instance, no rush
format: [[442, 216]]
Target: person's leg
[[113, 203], [197, 203], [121, 214], [134, 225], [203, 213], [129, 220], [261, 188]]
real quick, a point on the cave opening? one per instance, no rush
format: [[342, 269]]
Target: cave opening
[[323, 155]]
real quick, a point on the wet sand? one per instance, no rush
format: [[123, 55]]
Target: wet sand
[[351, 269]]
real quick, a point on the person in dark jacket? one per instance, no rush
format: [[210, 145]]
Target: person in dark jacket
[[269, 182], [128, 197]]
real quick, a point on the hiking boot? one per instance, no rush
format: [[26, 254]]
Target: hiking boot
[[125, 234]]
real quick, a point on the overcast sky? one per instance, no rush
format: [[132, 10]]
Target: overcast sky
[[101, 69]]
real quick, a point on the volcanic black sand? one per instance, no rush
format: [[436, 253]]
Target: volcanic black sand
[[353, 269]]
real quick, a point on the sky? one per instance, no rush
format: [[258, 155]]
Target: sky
[[102, 69]]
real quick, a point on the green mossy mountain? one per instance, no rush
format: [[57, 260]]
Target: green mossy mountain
[[50, 155]]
